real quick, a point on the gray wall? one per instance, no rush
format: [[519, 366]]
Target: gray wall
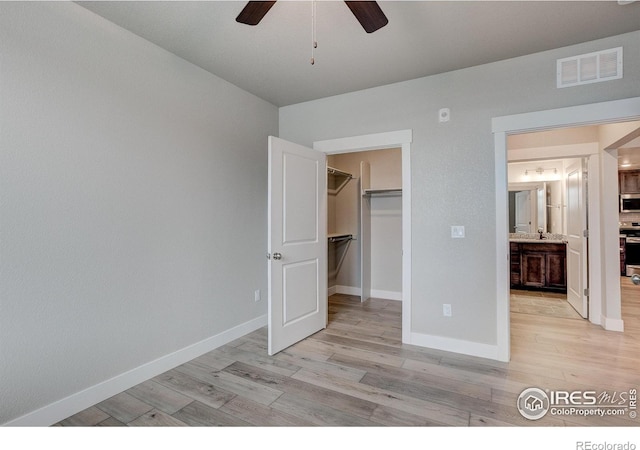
[[132, 203], [452, 166]]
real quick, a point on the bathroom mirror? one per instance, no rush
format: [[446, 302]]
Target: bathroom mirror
[[534, 206]]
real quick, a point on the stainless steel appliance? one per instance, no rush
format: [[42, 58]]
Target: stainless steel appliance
[[629, 203], [632, 248]]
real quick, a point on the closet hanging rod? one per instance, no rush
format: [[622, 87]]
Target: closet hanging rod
[[333, 171]]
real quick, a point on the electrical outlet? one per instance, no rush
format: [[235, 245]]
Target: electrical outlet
[[446, 310], [457, 231], [256, 295]]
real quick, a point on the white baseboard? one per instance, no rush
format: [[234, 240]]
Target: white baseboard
[[387, 295], [456, 345], [331, 291], [612, 324], [375, 293], [347, 290], [79, 401]]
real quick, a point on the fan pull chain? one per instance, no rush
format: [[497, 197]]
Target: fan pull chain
[[314, 42]]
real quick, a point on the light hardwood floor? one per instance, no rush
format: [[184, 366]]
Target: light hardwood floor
[[542, 304], [357, 373]]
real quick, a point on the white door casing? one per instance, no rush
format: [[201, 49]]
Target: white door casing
[[297, 243], [365, 232], [523, 212], [576, 242], [608, 277], [541, 208], [377, 141]]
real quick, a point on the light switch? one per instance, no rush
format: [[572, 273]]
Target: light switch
[[457, 231]]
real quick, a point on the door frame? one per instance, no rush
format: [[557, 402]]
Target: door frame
[[379, 141], [602, 253]]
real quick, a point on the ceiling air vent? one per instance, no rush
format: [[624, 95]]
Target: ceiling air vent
[[590, 68]]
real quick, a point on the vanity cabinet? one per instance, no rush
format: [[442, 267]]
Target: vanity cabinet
[[539, 266]]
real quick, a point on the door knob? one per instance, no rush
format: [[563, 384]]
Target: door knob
[[277, 256], [635, 278]]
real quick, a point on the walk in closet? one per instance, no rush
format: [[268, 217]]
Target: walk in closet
[[365, 224]]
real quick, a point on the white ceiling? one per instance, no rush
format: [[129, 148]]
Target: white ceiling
[[272, 59]]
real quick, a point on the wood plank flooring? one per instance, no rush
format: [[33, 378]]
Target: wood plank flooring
[[358, 373], [542, 303]]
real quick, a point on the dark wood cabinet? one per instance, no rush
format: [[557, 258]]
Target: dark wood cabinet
[[629, 181], [556, 270], [540, 266], [514, 258], [533, 269]]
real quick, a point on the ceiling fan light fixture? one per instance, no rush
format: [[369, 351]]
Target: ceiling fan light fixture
[[369, 14], [253, 12]]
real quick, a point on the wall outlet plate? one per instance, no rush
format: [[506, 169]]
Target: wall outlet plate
[[446, 310], [457, 231]]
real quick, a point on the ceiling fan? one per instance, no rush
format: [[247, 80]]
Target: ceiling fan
[[368, 14]]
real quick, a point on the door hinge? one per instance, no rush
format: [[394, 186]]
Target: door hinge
[[586, 292], [585, 233]]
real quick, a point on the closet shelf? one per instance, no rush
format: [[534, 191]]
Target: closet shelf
[[382, 192], [334, 171], [337, 237], [336, 180]]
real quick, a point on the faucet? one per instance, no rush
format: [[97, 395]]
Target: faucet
[[540, 231]]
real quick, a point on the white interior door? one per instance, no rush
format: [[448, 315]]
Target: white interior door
[[297, 243], [523, 212], [577, 243]]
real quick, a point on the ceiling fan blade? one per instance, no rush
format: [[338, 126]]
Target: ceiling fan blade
[[253, 12], [368, 14]]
